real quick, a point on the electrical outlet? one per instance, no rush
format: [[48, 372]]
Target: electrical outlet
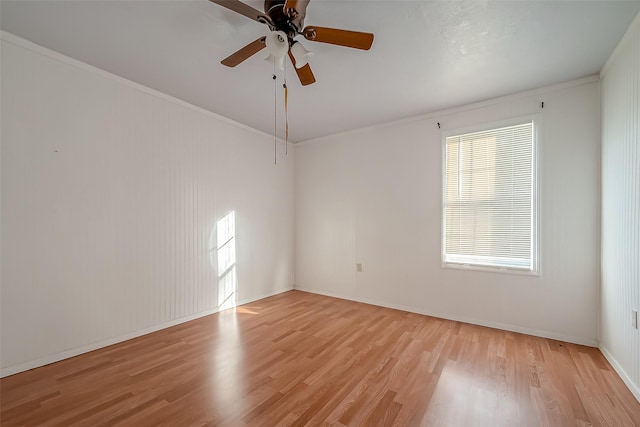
[[359, 268], [634, 318]]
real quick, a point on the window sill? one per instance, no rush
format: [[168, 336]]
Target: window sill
[[489, 269]]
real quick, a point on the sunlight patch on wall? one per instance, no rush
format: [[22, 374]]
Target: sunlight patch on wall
[[225, 252]]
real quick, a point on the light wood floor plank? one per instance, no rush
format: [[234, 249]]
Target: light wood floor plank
[[300, 359]]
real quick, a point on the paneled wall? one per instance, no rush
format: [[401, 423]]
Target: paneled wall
[[619, 341], [110, 197], [374, 196]]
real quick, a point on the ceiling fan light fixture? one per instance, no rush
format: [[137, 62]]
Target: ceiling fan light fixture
[[285, 19], [300, 54], [277, 44]]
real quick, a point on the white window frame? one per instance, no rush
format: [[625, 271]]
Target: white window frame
[[537, 126]]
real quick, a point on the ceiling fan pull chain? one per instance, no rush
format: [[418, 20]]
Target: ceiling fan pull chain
[[286, 114], [275, 117]]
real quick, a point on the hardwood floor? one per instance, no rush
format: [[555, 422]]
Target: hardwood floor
[[304, 359]]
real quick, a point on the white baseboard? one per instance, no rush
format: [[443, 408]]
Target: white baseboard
[[52, 358], [479, 322], [634, 388]]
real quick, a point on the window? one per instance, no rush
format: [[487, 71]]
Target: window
[[489, 207]]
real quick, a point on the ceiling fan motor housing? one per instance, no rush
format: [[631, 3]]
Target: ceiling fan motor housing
[[290, 25]]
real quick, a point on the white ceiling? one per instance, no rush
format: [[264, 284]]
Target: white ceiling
[[426, 56]]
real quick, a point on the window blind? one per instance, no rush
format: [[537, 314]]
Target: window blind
[[489, 212]]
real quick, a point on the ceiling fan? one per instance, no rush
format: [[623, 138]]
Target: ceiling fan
[[285, 19]]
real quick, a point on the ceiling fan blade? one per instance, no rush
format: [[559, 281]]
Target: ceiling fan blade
[[244, 53], [304, 73], [244, 9], [345, 38], [296, 10], [299, 6]]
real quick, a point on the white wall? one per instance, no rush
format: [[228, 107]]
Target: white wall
[[621, 207], [373, 196], [110, 192]]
